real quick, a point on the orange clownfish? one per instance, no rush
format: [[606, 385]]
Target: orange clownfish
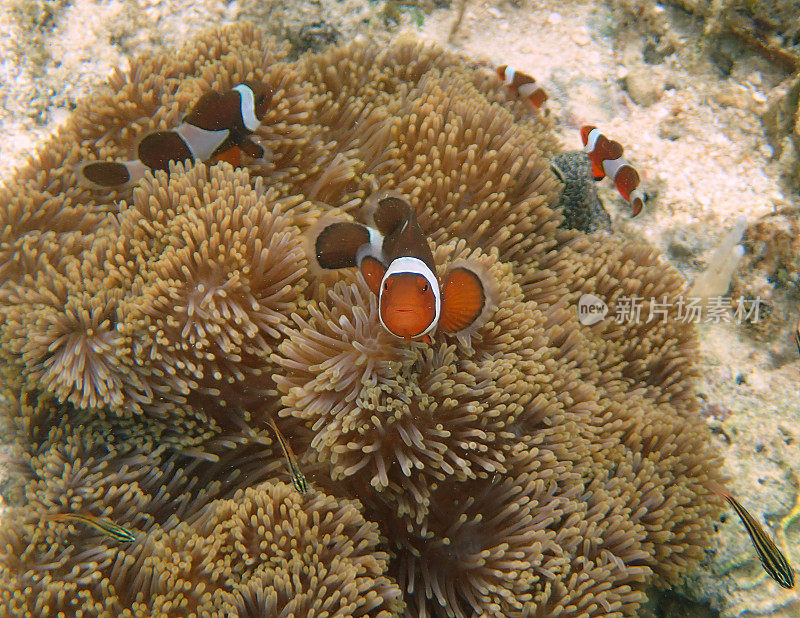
[[398, 266], [217, 128], [522, 85], [607, 160]]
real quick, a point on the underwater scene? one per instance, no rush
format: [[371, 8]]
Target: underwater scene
[[379, 308]]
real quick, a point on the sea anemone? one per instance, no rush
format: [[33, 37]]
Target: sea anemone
[[530, 465]]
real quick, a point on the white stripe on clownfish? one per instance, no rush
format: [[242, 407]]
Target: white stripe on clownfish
[[591, 140], [612, 166], [637, 194], [248, 107], [415, 266], [372, 249], [526, 90], [200, 142]]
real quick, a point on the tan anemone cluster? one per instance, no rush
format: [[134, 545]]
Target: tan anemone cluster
[[529, 466]]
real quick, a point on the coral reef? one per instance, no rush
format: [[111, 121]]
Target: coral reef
[[532, 466], [768, 27], [782, 121], [769, 272], [578, 202]]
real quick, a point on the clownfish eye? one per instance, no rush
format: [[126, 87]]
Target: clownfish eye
[[386, 286], [425, 288]]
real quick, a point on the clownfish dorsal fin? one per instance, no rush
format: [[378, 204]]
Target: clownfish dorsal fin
[[390, 213], [395, 219], [373, 272], [463, 299], [216, 111], [338, 244], [239, 110]]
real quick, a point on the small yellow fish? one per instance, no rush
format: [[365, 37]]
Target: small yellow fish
[[772, 559], [106, 526], [298, 478]]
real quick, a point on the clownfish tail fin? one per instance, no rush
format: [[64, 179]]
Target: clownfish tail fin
[[638, 199], [463, 299], [337, 245], [111, 174]]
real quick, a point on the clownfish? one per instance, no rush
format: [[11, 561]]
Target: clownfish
[[397, 264], [607, 160], [522, 85], [216, 129]]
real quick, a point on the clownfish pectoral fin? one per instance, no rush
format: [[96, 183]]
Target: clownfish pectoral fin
[[426, 339], [111, 174], [337, 245], [463, 299], [232, 155], [251, 149], [373, 272]]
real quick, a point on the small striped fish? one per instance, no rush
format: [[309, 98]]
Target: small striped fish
[[298, 478], [106, 526], [772, 559], [797, 336]]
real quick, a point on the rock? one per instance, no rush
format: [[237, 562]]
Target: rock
[[670, 603], [643, 86], [672, 129], [782, 121], [724, 51], [655, 53], [315, 36]]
